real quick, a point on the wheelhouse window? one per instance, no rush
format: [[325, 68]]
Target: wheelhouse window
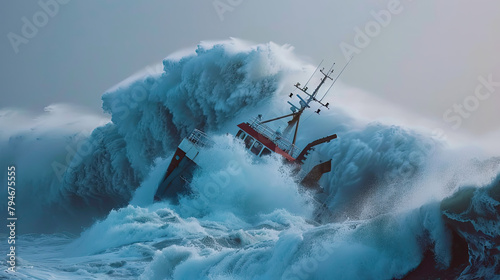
[[241, 135], [249, 142], [256, 148], [265, 152]]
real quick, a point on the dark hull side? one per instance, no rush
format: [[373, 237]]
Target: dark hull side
[[177, 178]]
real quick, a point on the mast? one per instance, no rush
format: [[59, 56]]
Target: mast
[[304, 104]]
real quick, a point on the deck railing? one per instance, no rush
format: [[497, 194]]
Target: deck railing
[[200, 139], [275, 137]]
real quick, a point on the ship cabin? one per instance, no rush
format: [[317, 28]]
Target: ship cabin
[[262, 140]]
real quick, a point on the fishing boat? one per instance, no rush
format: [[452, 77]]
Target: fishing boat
[[260, 140]]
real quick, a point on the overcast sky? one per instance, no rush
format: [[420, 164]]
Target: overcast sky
[[427, 58]]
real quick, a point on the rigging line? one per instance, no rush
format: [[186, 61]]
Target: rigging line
[[308, 117], [331, 68], [345, 66], [314, 72]]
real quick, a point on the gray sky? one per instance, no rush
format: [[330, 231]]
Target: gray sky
[[426, 59]]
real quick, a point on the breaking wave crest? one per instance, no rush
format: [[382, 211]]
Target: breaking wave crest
[[84, 176]]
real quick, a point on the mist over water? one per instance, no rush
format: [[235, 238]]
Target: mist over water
[[399, 198]]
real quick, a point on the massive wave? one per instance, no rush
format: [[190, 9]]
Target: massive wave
[[81, 176], [402, 203]]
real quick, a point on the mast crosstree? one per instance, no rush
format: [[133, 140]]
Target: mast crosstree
[[304, 103]]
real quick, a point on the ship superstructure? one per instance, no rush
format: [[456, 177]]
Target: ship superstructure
[[259, 139]]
